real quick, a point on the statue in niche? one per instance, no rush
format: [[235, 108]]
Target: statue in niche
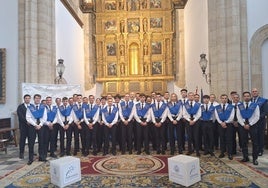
[[145, 69], [144, 4], [167, 47], [122, 26], [122, 69], [145, 48], [145, 25], [133, 5], [121, 5], [122, 50]]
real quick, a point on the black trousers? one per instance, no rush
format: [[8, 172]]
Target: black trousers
[[236, 132], [100, 136], [142, 135], [49, 137], [253, 132], [42, 142], [208, 135], [260, 132], [31, 141], [56, 128], [159, 135], [62, 138], [127, 136], [172, 129], [93, 133], [23, 135], [109, 132], [86, 135], [193, 136], [72, 129], [152, 138], [226, 138], [216, 134]]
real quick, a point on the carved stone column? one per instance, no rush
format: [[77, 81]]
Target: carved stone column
[[227, 27], [37, 41]]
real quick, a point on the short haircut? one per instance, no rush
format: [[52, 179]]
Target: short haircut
[[79, 95], [64, 98], [184, 90], [57, 99], [37, 95], [246, 92], [224, 95], [197, 94], [117, 96], [233, 92], [158, 94], [26, 95], [48, 97], [142, 95], [91, 96], [206, 97]]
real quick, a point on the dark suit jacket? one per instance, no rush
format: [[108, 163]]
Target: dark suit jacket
[[21, 112]]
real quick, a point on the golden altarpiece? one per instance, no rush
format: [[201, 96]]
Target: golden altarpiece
[[134, 44]]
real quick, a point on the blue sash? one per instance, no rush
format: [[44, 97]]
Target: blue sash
[[109, 117], [90, 113], [37, 114], [192, 111], [207, 115], [227, 112], [126, 110], [174, 109], [158, 112], [247, 113], [51, 114], [260, 101], [65, 112], [142, 112], [78, 112]]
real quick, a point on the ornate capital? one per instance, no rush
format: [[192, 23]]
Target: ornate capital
[[179, 4]]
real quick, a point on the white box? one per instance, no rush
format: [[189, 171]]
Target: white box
[[184, 170], [65, 171]]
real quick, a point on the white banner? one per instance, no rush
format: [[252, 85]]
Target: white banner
[[52, 90]]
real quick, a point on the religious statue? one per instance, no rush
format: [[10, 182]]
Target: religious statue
[[122, 69], [145, 69], [145, 25], [121, 5], [122, 26], [144, 4], [145, 49], [122, 50]]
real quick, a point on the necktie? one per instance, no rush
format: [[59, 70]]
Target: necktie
[[235, 117], [141, 105], [246, 105], [254, 100], [174, 104], [50, 108], [158, 105], [183, 101], [38, 119], [65, 117], [191, 104], [91, 107], [206, 107], [109, 110], [79, 106], [127, 105], [223, 107]]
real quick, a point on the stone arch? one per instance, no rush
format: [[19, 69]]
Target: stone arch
[[256, 43]]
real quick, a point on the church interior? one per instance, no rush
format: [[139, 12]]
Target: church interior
[[114, 47]]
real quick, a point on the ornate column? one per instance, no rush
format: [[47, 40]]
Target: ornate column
[[37, 41], [227, 27]]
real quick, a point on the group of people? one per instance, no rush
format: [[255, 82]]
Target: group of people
[[135, 120]]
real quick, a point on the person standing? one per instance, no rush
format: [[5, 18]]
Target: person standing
[[91, 117], [23, 124], [174, 123], [207, 125], [125, 109], [248, 115], [159, 114], [109, 118], [36, 116], [263, 105], [225, 115], [141, 112], [212, 101], [192, 113]]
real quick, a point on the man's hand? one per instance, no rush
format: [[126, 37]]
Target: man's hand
[[125, 122], [235, 124], [192, 122], [66, 127], [246, 127], [223, 125], [38, 127], [175, 122]]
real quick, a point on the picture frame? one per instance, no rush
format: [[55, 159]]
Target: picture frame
[[157, 68], [110, 25], [110, 5], [112, 69], [133, 25], [156, 48], [156, 23], [111, 49], [155, 4], [2, 75]]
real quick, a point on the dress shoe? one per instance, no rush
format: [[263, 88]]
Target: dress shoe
[[53, 155], [172, 153], [260, 154], [62, 154], [230, 157], [75, 153], [68, 154], [30, 162], [197, 154], [94, 153], [42, 160], [245, 159], [21, 156], [163, 152], [180, 152], [189, 153], [114, 153], [206, 153], [138, 153], [123, 153], [104, 154], [212, 154], [221, 155], [130, 152], [158, 152], [255, 162], [147, 152]]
